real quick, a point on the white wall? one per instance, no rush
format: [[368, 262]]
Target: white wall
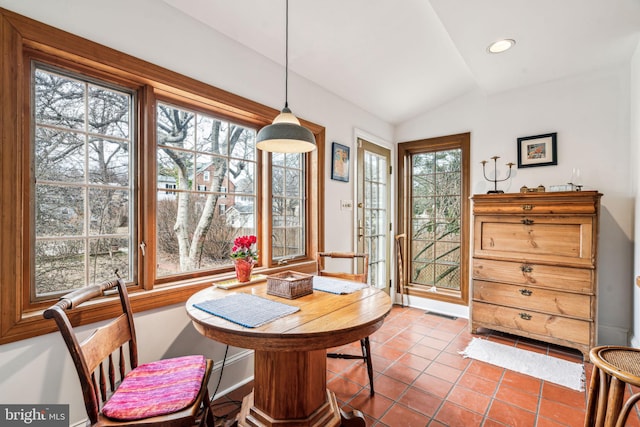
[[590, 113], [634, 158], [38, 370]]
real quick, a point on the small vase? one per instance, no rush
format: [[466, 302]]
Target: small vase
[[243, 269]]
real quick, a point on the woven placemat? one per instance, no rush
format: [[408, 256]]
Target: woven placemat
[[246, 310], [336, 286]]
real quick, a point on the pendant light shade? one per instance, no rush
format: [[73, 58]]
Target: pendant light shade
[[285, 134]]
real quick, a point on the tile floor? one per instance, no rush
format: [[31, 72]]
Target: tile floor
[[421, 380]]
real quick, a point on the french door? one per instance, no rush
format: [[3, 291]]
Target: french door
[[373, 207], [433, 213]]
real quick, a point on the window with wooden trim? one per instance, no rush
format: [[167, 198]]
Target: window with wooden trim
[[434, 216], [81, 151], [108, 162], [288, 206]]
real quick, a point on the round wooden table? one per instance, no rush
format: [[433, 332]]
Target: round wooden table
[[290, 367]]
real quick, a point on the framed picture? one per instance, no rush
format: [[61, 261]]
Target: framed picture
[[538, 150], [339, 162]]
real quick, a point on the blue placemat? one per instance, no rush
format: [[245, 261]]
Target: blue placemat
[[336, 286], [246, 310]]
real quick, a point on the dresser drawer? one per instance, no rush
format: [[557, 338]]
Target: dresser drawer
[[568, 279], [572, 203], [557, 240], [531, 323], [529, 298]]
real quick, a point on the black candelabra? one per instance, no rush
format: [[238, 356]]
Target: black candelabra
[[495, 179]]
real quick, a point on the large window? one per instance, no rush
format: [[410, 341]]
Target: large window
[[435, 216], [212, 164], [111, 163], [82, 145]]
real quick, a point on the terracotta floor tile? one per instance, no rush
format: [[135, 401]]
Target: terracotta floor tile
[[518, 397], [472, 400], [421, 401], [390, 387], [414, 361], [492, 423], [402, 372], [453, 360], [561, 413], [478, 383], [457, 416], [434, 343], [564, 395], [442, 335], [400, 343], [373, 406], [424, 351], [511, 415], [445, 372], [343, 388], [386, 351], [433, 385], [546, 422], [486, 370], [401, 416], [522, 382]]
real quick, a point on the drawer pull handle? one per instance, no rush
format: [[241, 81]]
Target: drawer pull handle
[[527, 207], [525, 316], [527, 221], [526, 292], [526, 268]]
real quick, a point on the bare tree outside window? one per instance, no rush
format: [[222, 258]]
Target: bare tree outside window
[[212, 166], [435, 219], [83, 187]]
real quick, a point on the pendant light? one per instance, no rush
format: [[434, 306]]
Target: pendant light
[[285, 134]]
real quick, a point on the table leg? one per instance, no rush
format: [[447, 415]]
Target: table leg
[[290, 388]]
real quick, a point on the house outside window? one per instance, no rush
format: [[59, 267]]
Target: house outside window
[[197, 148]]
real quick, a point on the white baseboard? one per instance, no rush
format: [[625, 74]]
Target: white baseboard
[[238, 370], [446, 308]]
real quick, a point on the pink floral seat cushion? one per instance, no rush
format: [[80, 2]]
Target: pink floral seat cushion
[[157, 388]]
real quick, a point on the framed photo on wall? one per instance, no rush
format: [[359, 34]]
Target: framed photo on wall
[[339, 162], [538, 150]]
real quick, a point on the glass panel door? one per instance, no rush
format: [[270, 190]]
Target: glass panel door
[[373, 210]]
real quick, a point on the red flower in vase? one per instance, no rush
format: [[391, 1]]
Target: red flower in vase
[[243, 248]]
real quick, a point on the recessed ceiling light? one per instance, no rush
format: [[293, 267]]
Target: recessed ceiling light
[[501, 45]]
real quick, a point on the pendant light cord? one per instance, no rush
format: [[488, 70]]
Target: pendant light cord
[[286, 56]]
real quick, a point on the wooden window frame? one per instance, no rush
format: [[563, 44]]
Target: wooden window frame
[[22, 39], [405, 150]]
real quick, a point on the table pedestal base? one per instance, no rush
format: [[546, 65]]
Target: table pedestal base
[[328, 415]]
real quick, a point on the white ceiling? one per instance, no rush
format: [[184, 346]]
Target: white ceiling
[[400, 58]]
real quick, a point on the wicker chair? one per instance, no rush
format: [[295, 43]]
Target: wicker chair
[[613, 368], [356, 277], [146, 394]]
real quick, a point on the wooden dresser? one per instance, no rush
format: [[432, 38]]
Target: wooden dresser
[[534, 266]]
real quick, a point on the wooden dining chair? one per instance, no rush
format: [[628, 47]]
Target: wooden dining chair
[[400, 276], [168, 392], [355, 277]]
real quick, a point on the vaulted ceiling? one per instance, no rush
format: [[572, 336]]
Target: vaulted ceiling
[[400, 58]]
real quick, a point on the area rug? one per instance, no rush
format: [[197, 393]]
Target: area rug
[[547, 368]]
